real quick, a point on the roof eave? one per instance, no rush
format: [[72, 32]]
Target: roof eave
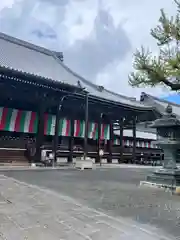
[[140, 108], [38, 80]]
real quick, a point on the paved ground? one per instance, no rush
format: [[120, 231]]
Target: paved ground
[[72, 166], [114, 192]]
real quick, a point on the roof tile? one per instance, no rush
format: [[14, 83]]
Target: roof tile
[[28, 58]]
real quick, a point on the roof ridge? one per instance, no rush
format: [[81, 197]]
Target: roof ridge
[[77, 75], [89, 82], [25, 44], [54, 54], [161, 100], [120, 95]]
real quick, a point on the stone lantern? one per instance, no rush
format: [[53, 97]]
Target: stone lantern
[[168, 139]]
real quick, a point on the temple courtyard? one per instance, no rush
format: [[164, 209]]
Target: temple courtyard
[[106, 203]]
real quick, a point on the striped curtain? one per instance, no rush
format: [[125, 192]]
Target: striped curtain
[[15, 120]]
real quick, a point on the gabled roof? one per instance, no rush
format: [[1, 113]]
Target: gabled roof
[[39, 62], [160, 104]]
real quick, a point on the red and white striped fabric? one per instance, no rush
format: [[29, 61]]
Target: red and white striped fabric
[[65, 127], [49, 124], [93, 130], [15, 120], [79, 130], [105, 131]]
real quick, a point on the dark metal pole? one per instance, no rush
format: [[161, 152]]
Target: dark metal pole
[[86, 125], [56, 136], [110, 141], [40, 134], [99, 139], [71, 142]]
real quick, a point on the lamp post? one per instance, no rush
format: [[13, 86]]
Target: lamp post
[[100, 151], [56, 134], [55, 143]]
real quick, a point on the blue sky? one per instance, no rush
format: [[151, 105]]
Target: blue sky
[[173, 98]]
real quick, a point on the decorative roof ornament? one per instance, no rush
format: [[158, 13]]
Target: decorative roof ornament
[[169, 112], [142, 96], [79, 84], [60, 56], [100, 88], [169, 109]]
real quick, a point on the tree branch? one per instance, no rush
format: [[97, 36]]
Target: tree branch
[[173, 86]]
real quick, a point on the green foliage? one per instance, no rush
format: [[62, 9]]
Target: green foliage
[[163, 69]]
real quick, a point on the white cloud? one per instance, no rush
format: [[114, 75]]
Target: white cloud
[[98, 37], [6, 3]]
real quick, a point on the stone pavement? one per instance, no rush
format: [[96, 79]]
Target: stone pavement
[[29, 212]]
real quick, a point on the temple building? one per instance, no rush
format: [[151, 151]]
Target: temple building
[[44, 101]]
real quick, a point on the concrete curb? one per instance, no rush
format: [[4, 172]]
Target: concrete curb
[[72, 166], [133, 166], [170, 188], [35, 168]]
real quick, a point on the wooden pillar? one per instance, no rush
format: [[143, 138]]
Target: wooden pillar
[[109, 160], [121, 122], [99, 139], [86, 125], [134, 140], [56, 134], [40, 134], [71, 142]]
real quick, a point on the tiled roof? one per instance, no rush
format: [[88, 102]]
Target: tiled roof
[[28, 58], [160, 104], [40, 62]]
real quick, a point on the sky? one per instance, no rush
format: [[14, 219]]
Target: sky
[[98, 37], [175, 98]]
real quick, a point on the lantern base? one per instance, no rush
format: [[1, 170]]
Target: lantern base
[[166, 177]]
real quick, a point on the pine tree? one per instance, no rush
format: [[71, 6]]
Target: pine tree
[[163, 69]]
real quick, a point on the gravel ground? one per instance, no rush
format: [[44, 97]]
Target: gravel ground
[[114, 191]]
